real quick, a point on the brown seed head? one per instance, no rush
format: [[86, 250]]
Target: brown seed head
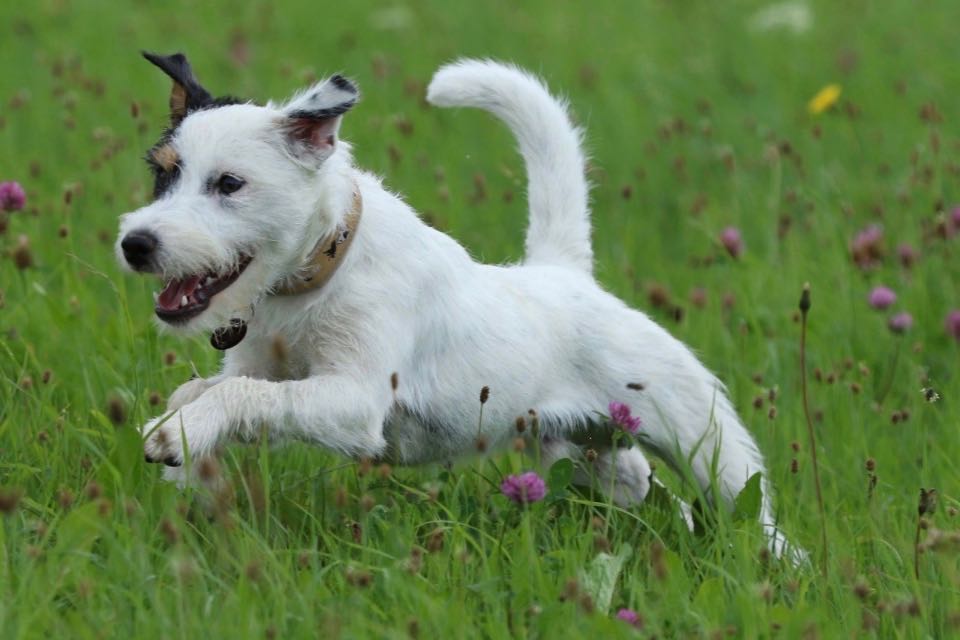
[[805, 299], [364, 466], [116, 410], [434, 541], [93, 490], [601, 543], [520, 424], [9, 500], [208, 469], [367, 502], [169, 531], [484, 394], [571, 589], [22, 256], [928, 502], [253, 571], [65, 498]]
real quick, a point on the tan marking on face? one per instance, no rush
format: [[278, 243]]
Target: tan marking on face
[[166, 157]]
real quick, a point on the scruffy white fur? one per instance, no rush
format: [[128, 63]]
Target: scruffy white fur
[[409, 300]]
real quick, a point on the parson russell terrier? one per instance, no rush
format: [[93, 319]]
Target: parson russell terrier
[[265, 234]]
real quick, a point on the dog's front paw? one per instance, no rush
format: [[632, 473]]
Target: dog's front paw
[[190, 429]]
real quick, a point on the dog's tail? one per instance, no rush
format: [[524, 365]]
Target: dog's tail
[[559, 230]]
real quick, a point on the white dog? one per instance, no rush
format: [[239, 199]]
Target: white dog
[[353, 325]]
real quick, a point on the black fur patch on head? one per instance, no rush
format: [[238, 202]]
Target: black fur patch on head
[[187, 96], [165, 165]]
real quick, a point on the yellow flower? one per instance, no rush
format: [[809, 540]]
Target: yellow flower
[[824, 99]]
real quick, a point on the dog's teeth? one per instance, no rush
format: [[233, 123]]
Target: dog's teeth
[[183, 301], [156, 296]]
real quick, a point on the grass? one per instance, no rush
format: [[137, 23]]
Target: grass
[[696, 122]]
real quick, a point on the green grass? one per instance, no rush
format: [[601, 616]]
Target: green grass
[[695, 122]]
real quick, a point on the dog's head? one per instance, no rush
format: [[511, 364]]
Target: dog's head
[[241, 195]]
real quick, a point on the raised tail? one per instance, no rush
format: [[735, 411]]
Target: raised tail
[[559, 231]]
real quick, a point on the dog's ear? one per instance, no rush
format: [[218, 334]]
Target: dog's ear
[[312, 118], [186, 93]]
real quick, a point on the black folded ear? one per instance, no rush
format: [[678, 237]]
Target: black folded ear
[[312, 118], [186, 94]]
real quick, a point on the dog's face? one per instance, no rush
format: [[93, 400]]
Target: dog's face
[[238, 196]]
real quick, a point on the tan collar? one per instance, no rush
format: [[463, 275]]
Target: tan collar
[[326, 256]]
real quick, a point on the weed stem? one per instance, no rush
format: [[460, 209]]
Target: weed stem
[[804, 308]]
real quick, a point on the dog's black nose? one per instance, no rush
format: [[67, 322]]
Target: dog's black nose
[[138, 248]]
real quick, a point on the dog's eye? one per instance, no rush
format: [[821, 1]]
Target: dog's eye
[[228, 183]]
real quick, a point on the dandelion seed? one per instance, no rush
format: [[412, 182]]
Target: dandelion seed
[[620, 416], [524, 488], [824, 99], [882, 297]]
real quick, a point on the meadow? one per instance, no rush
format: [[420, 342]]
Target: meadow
[[737, 152]]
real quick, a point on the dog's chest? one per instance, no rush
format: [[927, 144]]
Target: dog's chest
[[279, 356]]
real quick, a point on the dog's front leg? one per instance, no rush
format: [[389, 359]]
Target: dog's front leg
[[191, 390], [334, 411]]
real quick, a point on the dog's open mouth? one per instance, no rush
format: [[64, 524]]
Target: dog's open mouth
[[188, 297]]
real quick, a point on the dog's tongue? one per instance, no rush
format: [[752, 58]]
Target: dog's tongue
[[170, 297]]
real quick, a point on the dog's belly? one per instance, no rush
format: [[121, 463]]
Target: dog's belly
[[417, 438]]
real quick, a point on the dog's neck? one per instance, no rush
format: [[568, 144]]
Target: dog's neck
[[321, 263], [327, 255]]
